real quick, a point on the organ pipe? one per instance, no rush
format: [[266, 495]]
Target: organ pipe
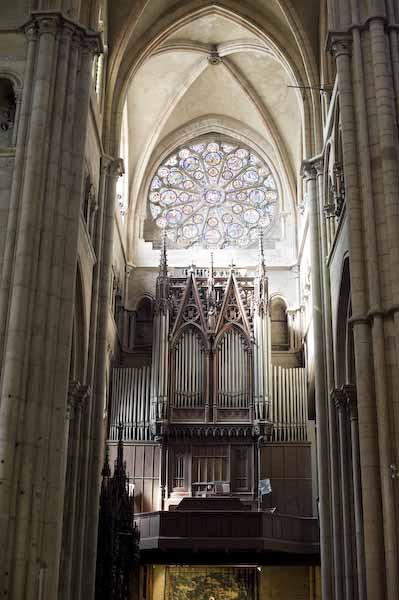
[[289, 404], [189, 372], [232, 368], [131, 403]]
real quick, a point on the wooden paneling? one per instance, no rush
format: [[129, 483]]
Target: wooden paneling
[[142, 466], [288, 466], [227, 531]]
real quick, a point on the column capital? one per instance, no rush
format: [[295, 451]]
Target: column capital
[[77, 394], [312, 167], [54, 22], [339, 43], [31, 31], [339, 398], [308, 170], [318, 164]]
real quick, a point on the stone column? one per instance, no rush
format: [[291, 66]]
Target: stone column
[[125, 326], [97, 432], [341, 47], [77, 398], [341, 405], [83, 476], [387, 123], [19, 166], [336, 507], [321, 394], [42, 247], [350, 393]]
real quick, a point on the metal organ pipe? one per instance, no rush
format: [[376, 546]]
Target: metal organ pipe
[[289, 404]]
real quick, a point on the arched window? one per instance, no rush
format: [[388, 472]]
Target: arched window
[[279, 324], [7, 113], [143, 327], [214, 194]]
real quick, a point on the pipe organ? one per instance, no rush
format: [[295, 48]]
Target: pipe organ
[[187, 372], [232, 372], [212, 395]]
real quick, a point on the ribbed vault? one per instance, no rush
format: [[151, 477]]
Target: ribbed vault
[[244, 64]]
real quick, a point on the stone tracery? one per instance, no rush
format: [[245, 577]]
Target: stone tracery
[[215, 194]]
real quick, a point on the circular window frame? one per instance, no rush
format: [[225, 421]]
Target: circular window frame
[[224, 240]]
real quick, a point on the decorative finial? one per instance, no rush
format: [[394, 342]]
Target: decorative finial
[[263, 284], [119, 463], [262, 263], [163, 265], [211, 284], [106, 472], [232, 265]]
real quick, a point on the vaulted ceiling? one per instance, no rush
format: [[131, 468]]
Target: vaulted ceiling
[[254, 87]]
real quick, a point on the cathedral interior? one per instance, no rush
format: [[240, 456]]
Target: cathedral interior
[[199, 299]]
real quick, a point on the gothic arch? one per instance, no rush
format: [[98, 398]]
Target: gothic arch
[[279, 323], [224, 126], [125, 61], [79, 335], [344, 349], [183, 329], [227, 327], [10, 91]]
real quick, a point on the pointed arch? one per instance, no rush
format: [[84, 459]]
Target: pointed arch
[[295, 55], [344, 347]]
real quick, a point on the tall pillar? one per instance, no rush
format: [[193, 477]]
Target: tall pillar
[[341, 406], [362, 274], [104, 196], [350, 394], [336, 505], [323, 468], [96, 438], [77, 398], [39, 282]]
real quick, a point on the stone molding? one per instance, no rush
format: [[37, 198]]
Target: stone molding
[[56, 24]]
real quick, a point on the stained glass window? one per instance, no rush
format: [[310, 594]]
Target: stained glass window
[[214, 194]]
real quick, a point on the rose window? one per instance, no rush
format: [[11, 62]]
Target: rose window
[[213, 194]]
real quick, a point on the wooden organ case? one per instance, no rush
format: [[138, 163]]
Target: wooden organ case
[[215, 411], [210, 384]]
